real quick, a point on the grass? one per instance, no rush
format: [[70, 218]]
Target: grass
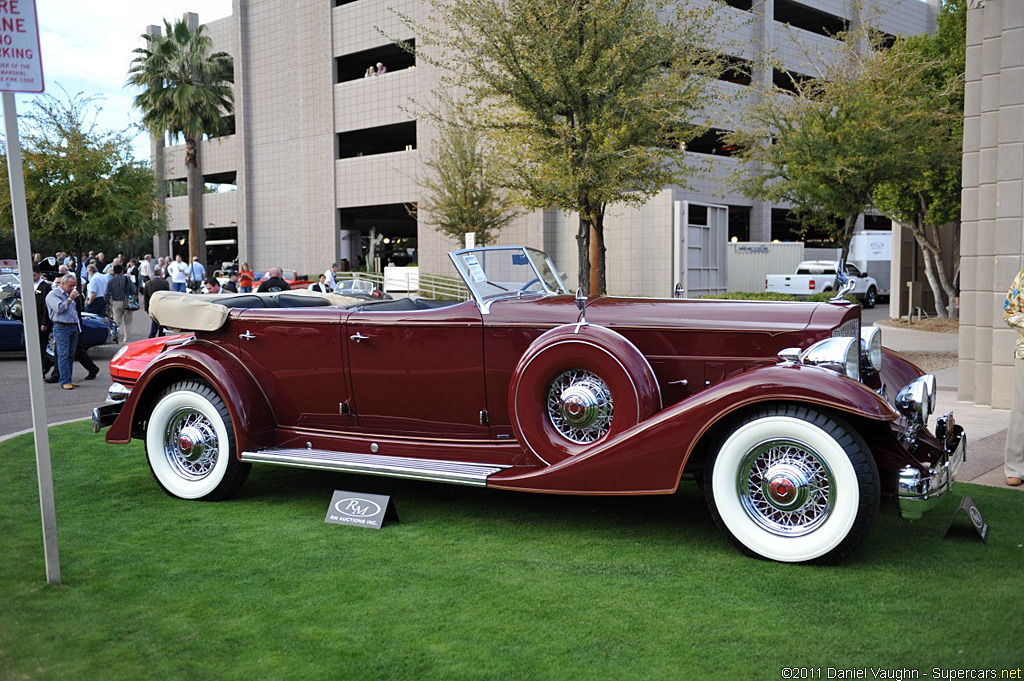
[[471, 584]]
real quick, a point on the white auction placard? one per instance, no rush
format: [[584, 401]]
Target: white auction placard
[[21, 64]]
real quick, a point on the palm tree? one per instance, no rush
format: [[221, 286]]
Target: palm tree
[[186, 90]]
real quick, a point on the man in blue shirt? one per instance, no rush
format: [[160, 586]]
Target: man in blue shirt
[[60, 303], [97, 303]]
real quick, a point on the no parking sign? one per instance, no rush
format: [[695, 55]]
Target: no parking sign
[[21, 65]]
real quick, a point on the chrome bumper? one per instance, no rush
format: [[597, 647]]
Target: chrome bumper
[[919, 491], [104, 415]]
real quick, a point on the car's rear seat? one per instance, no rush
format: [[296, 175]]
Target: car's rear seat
[[279, 300]]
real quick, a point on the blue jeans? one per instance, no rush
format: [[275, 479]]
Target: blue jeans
[[66, 338], [178, 286]]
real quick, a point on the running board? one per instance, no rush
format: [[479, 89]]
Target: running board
[[390, 466]]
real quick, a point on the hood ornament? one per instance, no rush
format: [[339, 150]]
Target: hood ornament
[[844, 284], [581, 305]]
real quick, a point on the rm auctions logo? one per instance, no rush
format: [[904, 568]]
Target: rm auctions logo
[[354, 507]]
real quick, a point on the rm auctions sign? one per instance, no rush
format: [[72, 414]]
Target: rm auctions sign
[[21, 65]]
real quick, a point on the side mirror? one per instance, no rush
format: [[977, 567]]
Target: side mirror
[[581, 300]]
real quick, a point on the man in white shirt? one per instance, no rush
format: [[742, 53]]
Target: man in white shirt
[[146, 268], [177, 270], [329, 277]]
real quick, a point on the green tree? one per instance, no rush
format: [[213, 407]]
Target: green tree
[[928, 201], [186, 90], [587, 103], [828, 148], [82, 185], [460, 193]]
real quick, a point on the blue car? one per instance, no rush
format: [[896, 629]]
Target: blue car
[[96, 330]]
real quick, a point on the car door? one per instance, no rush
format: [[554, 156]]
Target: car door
[[418, 372], [296, 355]]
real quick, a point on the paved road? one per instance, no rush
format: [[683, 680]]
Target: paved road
[[61, 405]]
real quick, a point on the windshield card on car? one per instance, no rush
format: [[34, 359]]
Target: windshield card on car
[[361, 510], [475, 271]]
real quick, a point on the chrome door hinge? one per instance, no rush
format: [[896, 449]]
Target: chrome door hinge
[[344, 407], [484, 419]]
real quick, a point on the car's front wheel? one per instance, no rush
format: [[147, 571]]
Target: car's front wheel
[[190, 443], [793, 484]]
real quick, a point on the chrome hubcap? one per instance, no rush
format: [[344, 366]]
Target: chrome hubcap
[[191, 444], [786, 487], [580, 406]]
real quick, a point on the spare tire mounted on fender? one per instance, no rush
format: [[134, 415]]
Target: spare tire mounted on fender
[[574, 388]]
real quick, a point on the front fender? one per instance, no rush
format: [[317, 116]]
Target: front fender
[[251, 415], [649, 458]]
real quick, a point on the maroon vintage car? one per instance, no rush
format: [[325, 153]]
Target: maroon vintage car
[[795, 420]]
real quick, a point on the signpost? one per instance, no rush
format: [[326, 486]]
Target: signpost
[[21, 70]]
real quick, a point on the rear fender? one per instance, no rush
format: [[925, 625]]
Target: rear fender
[[649, 458], [250, 410]]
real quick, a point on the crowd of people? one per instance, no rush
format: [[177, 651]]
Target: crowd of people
[[118, 287]]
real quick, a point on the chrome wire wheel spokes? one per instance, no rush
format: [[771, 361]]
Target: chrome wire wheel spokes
[[191, 444], [786, 487], [580, 406]]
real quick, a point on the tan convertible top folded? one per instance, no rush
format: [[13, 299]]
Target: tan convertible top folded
[[197, 312]]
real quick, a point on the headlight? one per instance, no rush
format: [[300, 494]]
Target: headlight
[[117, 355], [871, 347], [841, 350], [917, 400], [118, 392]]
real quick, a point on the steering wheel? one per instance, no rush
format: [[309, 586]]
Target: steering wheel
[[527, 285]]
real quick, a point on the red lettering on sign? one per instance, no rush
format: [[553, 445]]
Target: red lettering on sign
[[10, 24]]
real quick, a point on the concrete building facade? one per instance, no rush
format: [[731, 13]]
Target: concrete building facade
[[322, 159], [992, 240]]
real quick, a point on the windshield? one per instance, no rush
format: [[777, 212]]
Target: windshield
[[9, 283], [495, 272]]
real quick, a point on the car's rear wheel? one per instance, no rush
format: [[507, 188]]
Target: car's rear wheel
[[190, 443], [871, 297], [576, 387], [793, 484]]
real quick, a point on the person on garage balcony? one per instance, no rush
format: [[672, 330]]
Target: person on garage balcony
[[1013, 314]]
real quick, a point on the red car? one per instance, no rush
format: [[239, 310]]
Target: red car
[[795, 420]]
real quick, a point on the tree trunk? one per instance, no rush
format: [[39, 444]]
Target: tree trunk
[[940, 267], [196, 189], [929, 267], [583, 254], [598, 276]]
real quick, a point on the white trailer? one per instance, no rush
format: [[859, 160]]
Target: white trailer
[[871, 252]]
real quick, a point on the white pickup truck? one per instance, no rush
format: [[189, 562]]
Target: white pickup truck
[[816, 276]]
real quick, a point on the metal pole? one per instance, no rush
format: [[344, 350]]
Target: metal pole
[[30, 320]]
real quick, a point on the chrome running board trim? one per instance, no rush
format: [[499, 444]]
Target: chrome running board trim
[[454, 472]]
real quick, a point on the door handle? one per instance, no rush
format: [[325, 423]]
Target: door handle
[[358, 337], [248, 335]]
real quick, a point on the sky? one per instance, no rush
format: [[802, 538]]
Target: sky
[[87, 47]]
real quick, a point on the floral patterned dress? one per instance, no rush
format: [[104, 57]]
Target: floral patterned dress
[[1013, 312]]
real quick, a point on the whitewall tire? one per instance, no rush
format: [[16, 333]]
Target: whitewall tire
[[190, 443], [793, 484]]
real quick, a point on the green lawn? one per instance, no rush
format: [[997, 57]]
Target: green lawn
[[472, 584]]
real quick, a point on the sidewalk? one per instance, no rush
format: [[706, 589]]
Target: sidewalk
[[985, 426]]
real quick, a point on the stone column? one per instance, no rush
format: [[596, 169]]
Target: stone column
[[156, 153], [761, 77], [993, 196]]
